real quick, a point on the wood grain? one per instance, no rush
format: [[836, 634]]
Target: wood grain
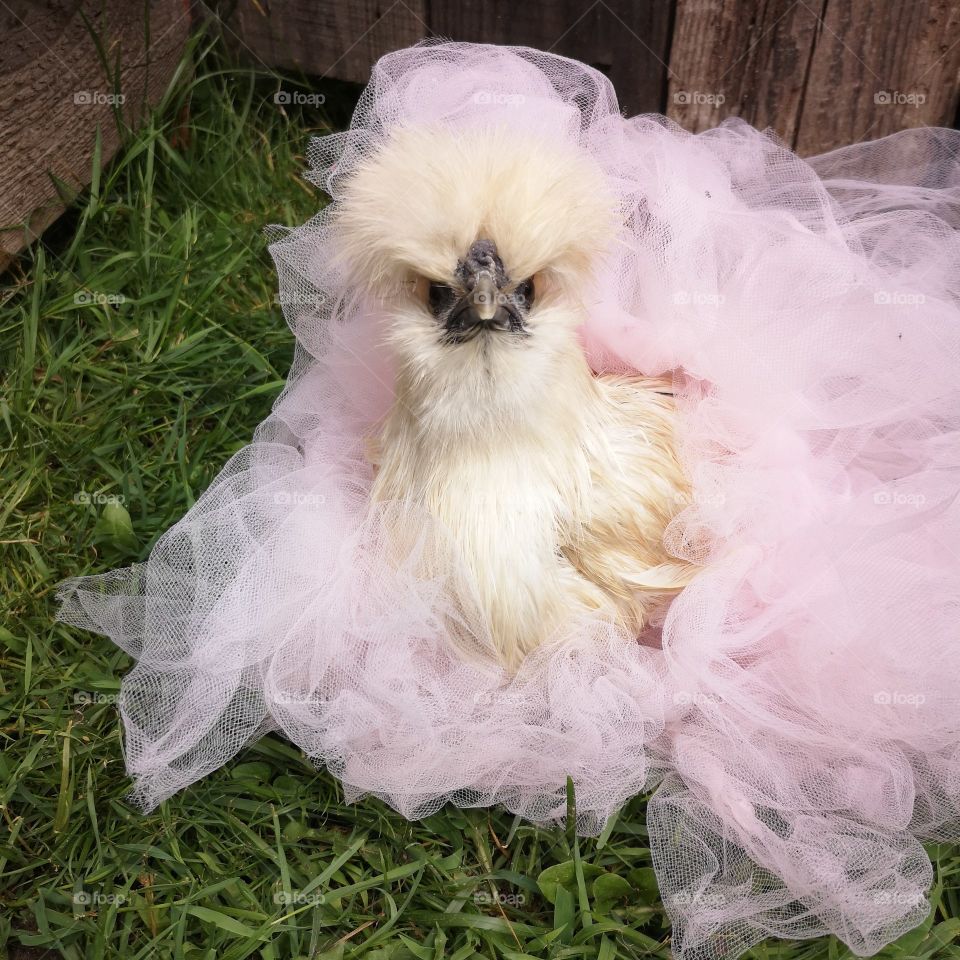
[[878, 68], [627, 41], [55, 93], [325, 38], [821, 73], [741, 58]]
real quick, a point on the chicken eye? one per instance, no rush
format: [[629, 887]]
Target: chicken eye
[[522, 294], [440, 298]]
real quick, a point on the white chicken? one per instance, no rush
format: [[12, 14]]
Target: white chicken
[[554, 484]]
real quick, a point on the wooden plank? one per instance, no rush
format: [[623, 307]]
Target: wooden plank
[[821, 73], [627, 41], [741, 58], [55, 92], [878, 68], [325, 38], [813, 70]]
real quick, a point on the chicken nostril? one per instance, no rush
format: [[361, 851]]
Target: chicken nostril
[[481, 257]]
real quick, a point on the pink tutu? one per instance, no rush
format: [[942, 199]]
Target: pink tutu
[[800, 718]]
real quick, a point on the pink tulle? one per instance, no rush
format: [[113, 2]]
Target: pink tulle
[[801, 714]]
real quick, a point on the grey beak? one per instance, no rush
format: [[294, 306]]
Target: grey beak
[[485, 295], [484, 306]]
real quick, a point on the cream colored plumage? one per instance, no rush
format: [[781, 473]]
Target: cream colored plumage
[[555, 485]]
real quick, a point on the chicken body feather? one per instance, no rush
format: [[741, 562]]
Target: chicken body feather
[[558, 516], [554, 485]]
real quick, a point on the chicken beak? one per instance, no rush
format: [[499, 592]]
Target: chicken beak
[[484, 295], [484, 306]]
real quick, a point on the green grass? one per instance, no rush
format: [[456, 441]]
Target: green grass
[[142, 393]]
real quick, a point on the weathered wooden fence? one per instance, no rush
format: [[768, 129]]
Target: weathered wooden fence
[[819, 72], [66, 68]]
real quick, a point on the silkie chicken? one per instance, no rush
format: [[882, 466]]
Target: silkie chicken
[[554, 484]]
